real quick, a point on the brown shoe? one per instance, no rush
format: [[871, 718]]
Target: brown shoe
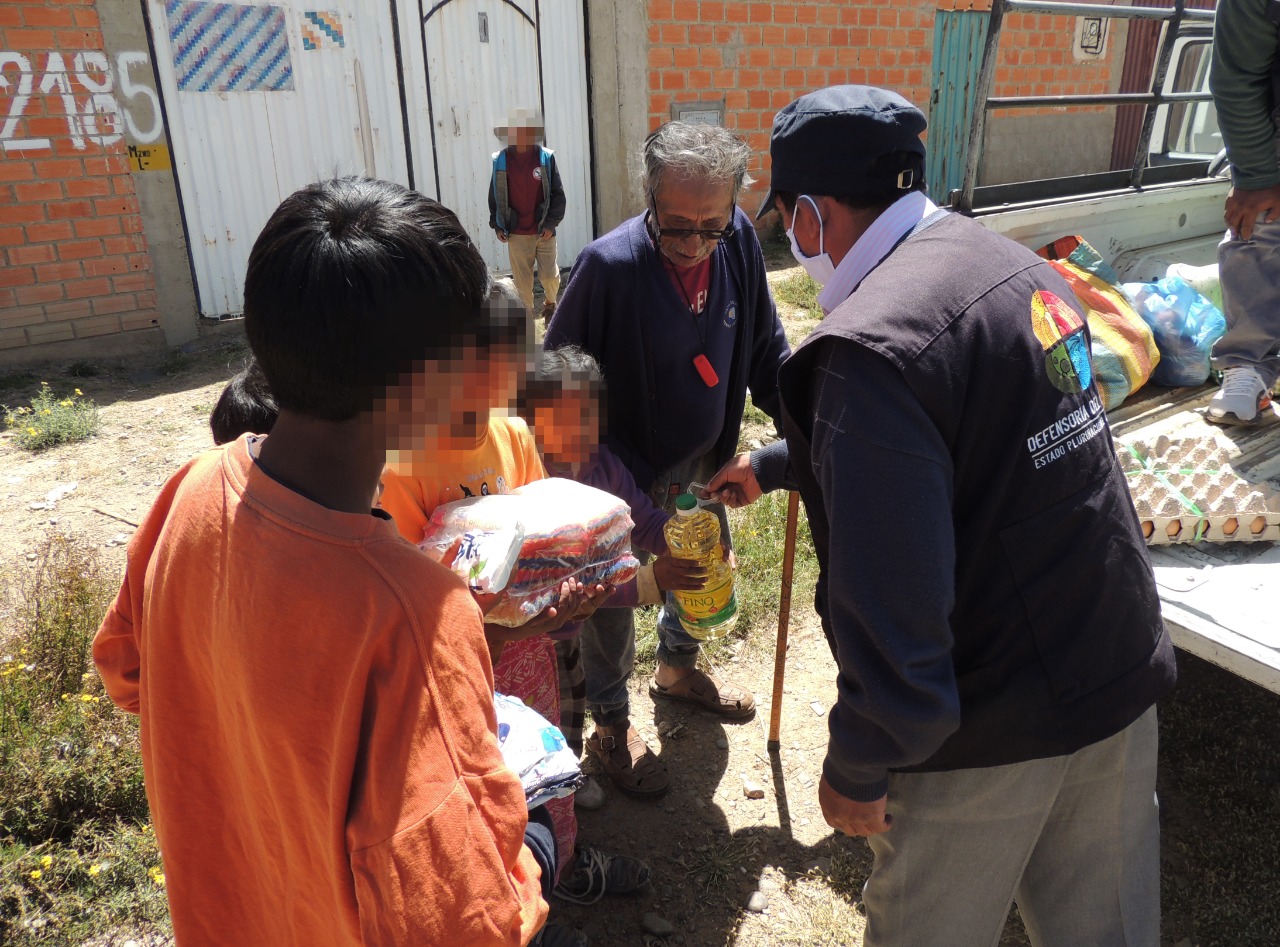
[[633, 767], [709, 693], [548, 309]]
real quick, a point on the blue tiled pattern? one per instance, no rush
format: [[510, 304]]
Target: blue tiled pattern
[[225, 47]]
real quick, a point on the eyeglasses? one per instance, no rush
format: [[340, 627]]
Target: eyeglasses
[[678, 233]]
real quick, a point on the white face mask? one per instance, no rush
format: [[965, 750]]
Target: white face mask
[[820, 266]]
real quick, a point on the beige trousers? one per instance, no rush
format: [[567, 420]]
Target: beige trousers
[[524, 249]]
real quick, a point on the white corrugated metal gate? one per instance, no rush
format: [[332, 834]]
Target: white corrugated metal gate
[[262, 99]]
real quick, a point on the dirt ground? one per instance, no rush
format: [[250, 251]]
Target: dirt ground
[[711, 847]]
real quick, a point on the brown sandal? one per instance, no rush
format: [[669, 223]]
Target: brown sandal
[[709, 693], [633, 767]]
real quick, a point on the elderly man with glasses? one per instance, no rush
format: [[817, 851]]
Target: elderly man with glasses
[[675, 306]]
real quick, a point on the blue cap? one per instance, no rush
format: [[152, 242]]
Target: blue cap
[[846, 140]]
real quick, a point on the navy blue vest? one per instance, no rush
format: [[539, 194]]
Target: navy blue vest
[[1058, 636]]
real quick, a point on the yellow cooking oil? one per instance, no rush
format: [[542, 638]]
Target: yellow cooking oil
[[694, 533]]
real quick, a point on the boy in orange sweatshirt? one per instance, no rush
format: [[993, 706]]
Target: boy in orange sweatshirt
[[315, 693]]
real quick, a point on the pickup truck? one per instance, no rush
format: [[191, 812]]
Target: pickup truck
[[1221, 601]]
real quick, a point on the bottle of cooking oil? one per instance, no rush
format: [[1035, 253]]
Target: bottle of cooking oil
[[694, 533]]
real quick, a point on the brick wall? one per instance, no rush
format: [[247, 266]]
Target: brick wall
[[73, 260], [758, 56]]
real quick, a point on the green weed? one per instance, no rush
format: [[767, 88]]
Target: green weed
[[76, 855], [51, 419], [800, 291]]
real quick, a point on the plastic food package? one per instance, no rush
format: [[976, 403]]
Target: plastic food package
[[477, 538], [566, 530], [1185, 325], [1203, 279], [535, 751]]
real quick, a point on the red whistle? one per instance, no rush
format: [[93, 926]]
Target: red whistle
[[706, 372]]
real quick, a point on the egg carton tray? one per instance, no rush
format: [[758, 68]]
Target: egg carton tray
[[1186, 491]]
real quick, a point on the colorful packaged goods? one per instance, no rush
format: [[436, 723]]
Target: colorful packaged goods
[[567, 531]]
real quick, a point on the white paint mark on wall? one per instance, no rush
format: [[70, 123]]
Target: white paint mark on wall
[[90, 93]]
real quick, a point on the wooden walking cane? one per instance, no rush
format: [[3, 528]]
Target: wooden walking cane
[[784, 620]]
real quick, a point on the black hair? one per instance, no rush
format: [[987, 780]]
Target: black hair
[[553, 365], [246, 406], [507, 324], [352, 283], [879, 198]]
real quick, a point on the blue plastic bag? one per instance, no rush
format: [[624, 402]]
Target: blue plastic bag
[[1185, 326]]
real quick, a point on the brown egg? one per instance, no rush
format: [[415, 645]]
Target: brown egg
[[1230, 526], [1174, 528], [1258, 525], [1148, 528]]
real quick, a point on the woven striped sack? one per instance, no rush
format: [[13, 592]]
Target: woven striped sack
[[1122, 347]]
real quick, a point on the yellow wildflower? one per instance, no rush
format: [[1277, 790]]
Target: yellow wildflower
[[86, 675], [65, 403], [157, 876], [44, 384], [93, 871], [87, 698], [32, 431], [47, 411], [66, 696], [46, 861], [36, 874], [79, 392]]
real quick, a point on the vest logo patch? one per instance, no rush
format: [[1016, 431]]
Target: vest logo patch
[[731, 316], [537, 174], [1061, 331]]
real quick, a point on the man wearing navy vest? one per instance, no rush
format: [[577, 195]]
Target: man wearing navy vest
[[526, 205], [984, 583]]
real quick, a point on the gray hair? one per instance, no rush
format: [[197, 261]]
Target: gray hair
[[695, 150]]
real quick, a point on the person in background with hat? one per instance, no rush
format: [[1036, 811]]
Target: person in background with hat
[[674, 304], [983, 581], [526, 205]]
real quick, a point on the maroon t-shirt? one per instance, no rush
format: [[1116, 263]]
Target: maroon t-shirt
[[692, 283], [524, 189]]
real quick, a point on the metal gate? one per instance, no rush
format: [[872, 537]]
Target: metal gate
[[261, 100], [957, 57]]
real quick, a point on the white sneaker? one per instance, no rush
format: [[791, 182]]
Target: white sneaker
[[590, 795], [1240, 398]]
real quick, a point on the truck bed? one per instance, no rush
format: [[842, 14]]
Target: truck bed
[[1221, 601]]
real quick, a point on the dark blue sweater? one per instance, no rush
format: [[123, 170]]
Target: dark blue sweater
[[622, 307]]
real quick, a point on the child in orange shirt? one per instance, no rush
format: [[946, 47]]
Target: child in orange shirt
[[318, 730], [498, 457]]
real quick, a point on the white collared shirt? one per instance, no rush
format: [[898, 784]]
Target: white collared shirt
[[874, 245]]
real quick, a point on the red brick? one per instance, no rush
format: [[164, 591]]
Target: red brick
[[685, 11], [52, 168], [38, 192], [14, 170], [736, 12], [761, 12], [70, 210], [118, 302], [659, 9], [98, 227], [17, 276], [40, 253], [29, 39], [659, 57], [79, 39], [143, 319], [712, 12], [10, 15], [107, 266], [88, 187], [47, 16], [48, 233], [21, 214], [79, 249], [12, 318], [34, 295], [68, 310], [131, 223], [701, 34], [96, 325], [147, 300], [673, 80], [84, 288], [86, 18], [674, 34], [699, 79], [139, 261], [132, 283], [130, 243], [807, 14], [50, 332], [56, 272]]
